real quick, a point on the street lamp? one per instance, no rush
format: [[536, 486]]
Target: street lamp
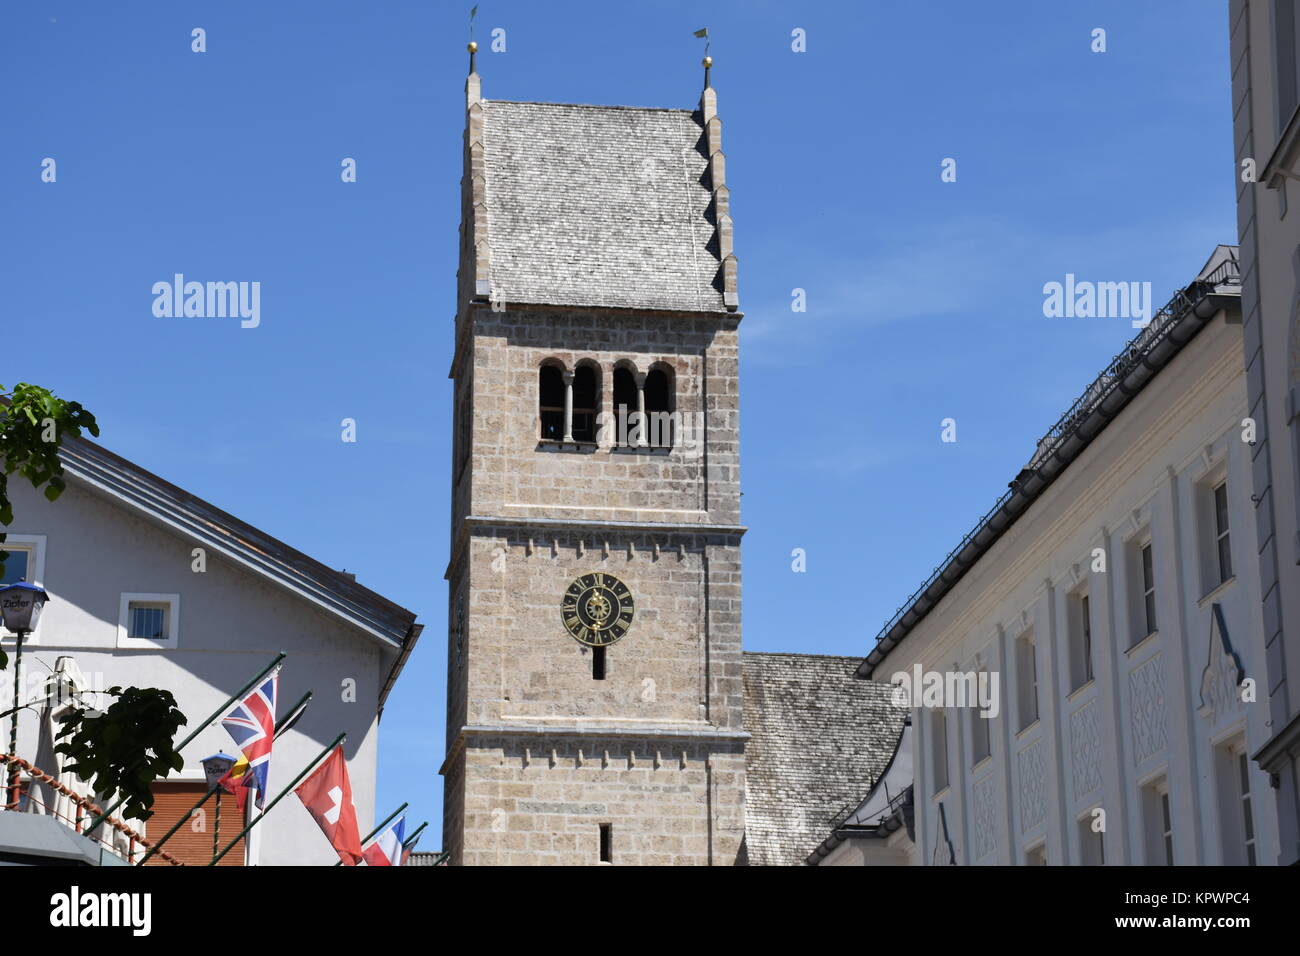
[[20, 609], [214, 768]]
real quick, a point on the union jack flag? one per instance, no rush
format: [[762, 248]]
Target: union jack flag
[[252, 726]]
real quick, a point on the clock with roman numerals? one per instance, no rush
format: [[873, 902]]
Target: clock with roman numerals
[[597, 609]]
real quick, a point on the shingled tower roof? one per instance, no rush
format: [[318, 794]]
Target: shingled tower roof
[[597, 206], [819, 739]]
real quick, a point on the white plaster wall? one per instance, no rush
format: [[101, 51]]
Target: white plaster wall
[[1269, 230], [894, 850], [1094, 746], [231, 624]]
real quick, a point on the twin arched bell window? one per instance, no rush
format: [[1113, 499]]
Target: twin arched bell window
[[569, 403]]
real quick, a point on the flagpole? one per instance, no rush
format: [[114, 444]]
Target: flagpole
[[280, 796], [387, 819], [415, 836], [215, 714], [288, 720], [408, 845]]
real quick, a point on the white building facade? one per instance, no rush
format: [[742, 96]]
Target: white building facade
[[122, 549], [1265, 52], [1113, 596]]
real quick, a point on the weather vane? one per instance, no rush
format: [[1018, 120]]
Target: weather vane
[[473, 47], [708, 60]]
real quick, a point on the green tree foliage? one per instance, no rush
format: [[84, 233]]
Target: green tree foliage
[[33, 423], [126, 747]]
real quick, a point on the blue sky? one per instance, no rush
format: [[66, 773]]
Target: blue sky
[[924, 298]]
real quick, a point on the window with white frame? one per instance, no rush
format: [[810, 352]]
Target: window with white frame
[[1158, 824], [1236, 814], [1141, 588], [1243, 800], [1092, 840], [1079, 608], [25, 563], [1222, 539], [148, 620], [939, 749], [1214, 535], [1148, 589], [1026, 680]]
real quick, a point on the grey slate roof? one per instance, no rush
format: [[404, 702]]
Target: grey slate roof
[[599, 206], [820, 738], [421, 858]]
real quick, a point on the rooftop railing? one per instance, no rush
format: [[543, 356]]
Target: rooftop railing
[[1227, 273]]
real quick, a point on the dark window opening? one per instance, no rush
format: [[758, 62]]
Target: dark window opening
[[15, 567], [1086, 611], [464, 423], [598, 663], [1248, 819], [625, 406], [606, 851], [550, 403], [584, 403], [1287, 37], [1167, 828], [658, 409], [1222, 537], [1149, 589]]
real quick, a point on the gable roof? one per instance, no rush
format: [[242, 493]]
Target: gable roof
[[600, 206], [819, 739], [885, 808], [165, 504], [1217, 287]]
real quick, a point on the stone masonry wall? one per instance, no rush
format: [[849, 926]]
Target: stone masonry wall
[[667, 804], [675, 667], [515, 476], [541, 753]]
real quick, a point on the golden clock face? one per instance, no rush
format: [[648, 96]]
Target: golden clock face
[[597, 609]]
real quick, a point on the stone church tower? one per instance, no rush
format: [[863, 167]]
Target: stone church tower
[[594, 705]]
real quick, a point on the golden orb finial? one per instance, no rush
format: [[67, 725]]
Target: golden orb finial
[[473, 47], [708, 61]]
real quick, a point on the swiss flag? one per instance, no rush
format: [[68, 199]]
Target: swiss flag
[[327, 795]]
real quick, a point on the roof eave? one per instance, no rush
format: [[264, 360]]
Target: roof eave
[[1026, 490], [408, 645], [169, 506]]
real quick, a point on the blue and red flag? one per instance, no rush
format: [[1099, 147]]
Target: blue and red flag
[[386, 850], [408, 848], [252, 726]]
